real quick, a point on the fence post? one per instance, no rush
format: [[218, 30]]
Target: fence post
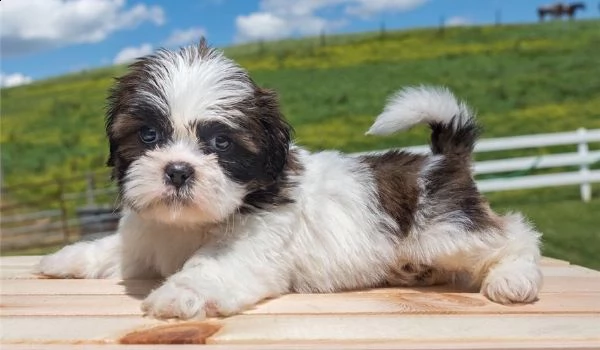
[[63, 210], [584, 169]]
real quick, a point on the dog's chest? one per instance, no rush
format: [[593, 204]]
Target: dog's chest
[[162, 248], [172, 250]]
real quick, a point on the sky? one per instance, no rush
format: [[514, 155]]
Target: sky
[[45, 38]]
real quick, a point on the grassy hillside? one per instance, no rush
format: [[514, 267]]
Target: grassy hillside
[[522, 79]]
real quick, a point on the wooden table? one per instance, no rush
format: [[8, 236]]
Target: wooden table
[[56, 314]]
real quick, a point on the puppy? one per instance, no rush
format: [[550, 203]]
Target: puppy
[[219, 202]]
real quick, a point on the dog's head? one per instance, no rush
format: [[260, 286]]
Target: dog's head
[[193, 139]]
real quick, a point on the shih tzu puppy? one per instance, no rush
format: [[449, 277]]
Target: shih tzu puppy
[[219, 202]]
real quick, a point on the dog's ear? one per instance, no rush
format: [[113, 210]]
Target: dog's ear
[[112, 160], [111, 110], [278, 132], [112, 150]]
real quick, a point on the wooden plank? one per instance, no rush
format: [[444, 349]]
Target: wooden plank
[[101, 312], [22, 260], [407, 330], [547, 261], [76, 287], [20, 272], [14, 275], [582, 269], [26, 272], [570, 270], [25, 266], [37, 329], [70, 305], [563, 284], [552, 284], [397, 302], [410, 328], [394, 302], [512, 345]]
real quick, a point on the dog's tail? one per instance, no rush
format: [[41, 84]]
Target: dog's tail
[[453, 127]]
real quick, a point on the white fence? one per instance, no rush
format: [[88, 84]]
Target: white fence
[[583, 158]]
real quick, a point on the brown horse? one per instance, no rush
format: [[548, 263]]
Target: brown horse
[[557, 10]]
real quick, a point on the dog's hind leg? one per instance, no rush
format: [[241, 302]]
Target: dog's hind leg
[[501, 259], [513, 274]]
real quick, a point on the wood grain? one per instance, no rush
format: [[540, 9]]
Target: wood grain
[[271, 329], [17, 272], [552, 284], [466, 344], [64, 329], [179, 333], [410, 328], [56, 314], [393, 302], [76, 287], [19, 260]]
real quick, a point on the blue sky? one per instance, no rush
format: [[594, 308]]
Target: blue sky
[[43, 38]]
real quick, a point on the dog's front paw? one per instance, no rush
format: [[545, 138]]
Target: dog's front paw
[[513, 282], [81, 260], [173, 300], [66, 263]]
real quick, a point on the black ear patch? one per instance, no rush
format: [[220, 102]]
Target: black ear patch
[[278, 132], [112, 149]]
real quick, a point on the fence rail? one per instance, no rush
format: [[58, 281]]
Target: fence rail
[[63, 210], [543, 162], [30, 216], [538, 181], [84, 214]]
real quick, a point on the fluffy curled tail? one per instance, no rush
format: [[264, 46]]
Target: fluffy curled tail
[[453, 127]]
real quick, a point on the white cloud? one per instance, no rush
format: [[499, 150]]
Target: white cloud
[[14, 79], [457, 21], [34, 25], [263, 26], [283, 18], [130, 53], [181, 37], [368, 8], [299, 7]]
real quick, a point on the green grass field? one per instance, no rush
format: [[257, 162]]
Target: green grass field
[[522, 79]]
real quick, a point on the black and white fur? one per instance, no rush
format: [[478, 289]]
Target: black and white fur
[[254, 216]]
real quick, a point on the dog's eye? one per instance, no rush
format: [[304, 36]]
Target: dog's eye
[[149, 135], [220, 143]]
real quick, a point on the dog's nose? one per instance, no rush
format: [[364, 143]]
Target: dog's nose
[[178, 173]]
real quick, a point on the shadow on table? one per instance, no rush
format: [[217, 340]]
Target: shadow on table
[[139, 289]]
